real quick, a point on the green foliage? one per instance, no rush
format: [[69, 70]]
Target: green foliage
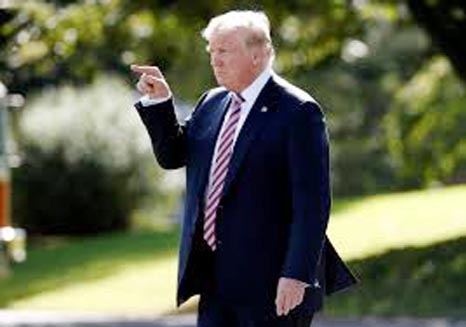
[[87, 161], [426, 281], [425, 128], [48, 43], [355, 57], [356, 95], [445, 22]]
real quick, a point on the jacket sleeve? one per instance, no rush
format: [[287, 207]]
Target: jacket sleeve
[[308, 157], [168, 137]]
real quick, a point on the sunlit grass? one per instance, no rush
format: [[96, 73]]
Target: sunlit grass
[[144, 288], [135, 273], [375, 224], [130, 272]]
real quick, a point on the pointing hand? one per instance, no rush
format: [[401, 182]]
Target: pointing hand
[[151, 82]]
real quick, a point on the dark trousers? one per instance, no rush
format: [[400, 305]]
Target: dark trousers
[[213, 312]]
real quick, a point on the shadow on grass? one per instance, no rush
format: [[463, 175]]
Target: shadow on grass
[[85, 259], [426, 282]]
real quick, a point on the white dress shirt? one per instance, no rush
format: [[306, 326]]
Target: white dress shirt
[[249, 94]]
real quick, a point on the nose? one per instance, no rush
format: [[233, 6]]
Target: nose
[[215, 59]]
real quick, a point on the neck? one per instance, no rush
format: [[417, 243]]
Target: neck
[[251, 80]]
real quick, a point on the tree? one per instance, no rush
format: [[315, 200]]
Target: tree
[[46, 43], [355, 57], [425, 127], [445, 21]]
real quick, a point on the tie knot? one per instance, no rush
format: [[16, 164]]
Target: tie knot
[[237, 99]]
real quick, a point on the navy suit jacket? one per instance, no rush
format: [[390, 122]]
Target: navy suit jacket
[[274, 211]]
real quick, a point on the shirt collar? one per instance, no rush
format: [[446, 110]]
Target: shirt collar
[[251, 93]]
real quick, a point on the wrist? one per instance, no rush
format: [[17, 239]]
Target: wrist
[[147, 101]]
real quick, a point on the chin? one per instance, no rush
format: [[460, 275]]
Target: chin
[[222, 82]]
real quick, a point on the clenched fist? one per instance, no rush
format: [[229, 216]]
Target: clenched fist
[[151, 82]]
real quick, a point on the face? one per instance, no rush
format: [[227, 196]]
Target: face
[[234, 65]]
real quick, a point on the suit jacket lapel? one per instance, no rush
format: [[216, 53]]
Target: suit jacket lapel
[[260, 112]]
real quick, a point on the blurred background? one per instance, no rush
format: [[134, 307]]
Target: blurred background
[[78, 174]]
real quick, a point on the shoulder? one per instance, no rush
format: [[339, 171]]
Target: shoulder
[[292, 92], [208, 99], [296, 100], [211, 97], [214, 94]]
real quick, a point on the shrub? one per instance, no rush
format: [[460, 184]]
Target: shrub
[[87, 161]]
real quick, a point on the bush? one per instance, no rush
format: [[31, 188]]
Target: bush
[[425, 128], [87, 161]]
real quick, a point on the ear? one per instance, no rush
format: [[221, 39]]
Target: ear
[[256, 56]]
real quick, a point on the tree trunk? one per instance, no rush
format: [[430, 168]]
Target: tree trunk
[[445, 22]]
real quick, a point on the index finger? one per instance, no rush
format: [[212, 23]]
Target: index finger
[[149, 70]]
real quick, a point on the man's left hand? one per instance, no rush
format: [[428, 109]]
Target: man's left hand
[[290, 293]]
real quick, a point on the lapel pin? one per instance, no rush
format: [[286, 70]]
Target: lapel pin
[[264, 109]]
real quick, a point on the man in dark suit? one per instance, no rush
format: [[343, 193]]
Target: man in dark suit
[[255, 149]]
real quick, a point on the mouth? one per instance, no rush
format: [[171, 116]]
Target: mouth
[[219, 73]]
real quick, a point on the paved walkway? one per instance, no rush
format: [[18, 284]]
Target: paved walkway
[[19, 318]]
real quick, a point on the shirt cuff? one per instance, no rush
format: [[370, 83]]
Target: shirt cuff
[[147, 102]]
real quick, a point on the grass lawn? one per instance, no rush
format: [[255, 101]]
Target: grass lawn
[[428, 281], [131, 273], [375, 224], [135, 273]]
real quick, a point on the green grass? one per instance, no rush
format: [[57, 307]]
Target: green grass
[[375, 224], [135, 273], [428, 281]]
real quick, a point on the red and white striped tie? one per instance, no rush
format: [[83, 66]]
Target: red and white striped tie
[[219, 170]]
